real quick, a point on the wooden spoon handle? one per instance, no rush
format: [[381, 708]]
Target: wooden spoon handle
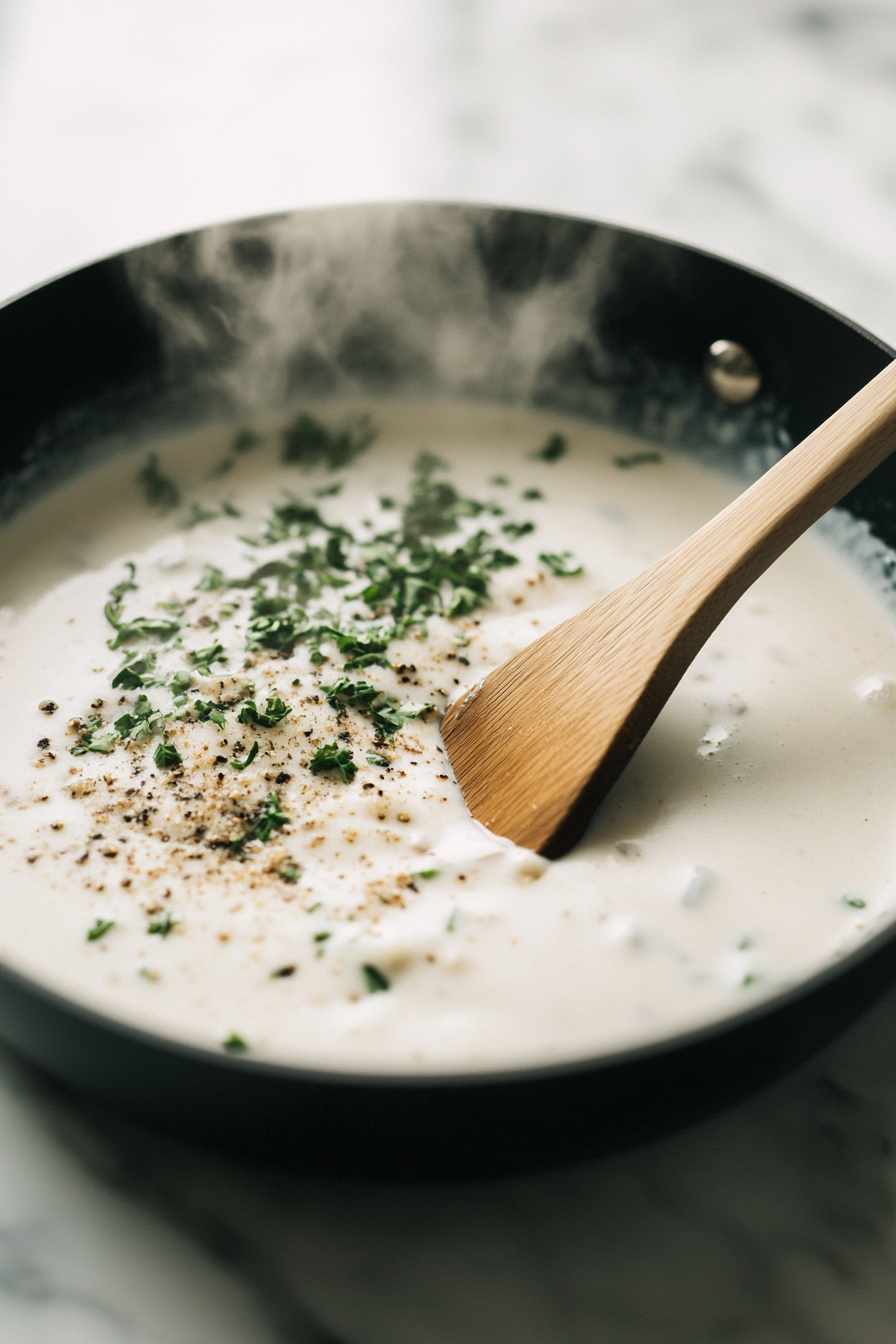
[[729, 553]]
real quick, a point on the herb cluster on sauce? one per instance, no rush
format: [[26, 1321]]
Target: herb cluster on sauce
[[218, 653]]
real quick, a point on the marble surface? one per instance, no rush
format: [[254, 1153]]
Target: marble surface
[[763, 131]]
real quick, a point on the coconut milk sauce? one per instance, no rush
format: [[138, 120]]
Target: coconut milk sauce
[[375, 927]]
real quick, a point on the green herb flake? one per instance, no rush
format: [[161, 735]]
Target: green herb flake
[[559, 566], [274, 712], [202, 659], [212, 579], [141, 627], [269, 818], [167, 755], [158, 491], [388, 715], [210, 711], [552, 450], [499, 480], [856, 902], [245, 441], [163, 925], [383, 762], [199, 514], [290, 874], [517, 530], [374, 979], [427, 873], [99, 929], [136, 671], [322, 936], [309, 443], [283, 972], [748, 980], [329, 491], [96, 736], [127, 585], [334, 757], [636, 460], [532, 493], [241, 765], [234, 1044]]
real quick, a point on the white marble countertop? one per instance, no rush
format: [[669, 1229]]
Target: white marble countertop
[[765, 131]]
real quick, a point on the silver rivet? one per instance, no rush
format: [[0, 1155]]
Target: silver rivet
[[732, 372]]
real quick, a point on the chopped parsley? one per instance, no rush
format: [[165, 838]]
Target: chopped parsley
[[388, 715], [137, 726], [100, 927], [334, 757], [427, 873], [309, 443], [136, 671], [141, 724], [166, 755], [163, 925], [552, 450], [202, 659], [275, 711], [517, 530], [245, 441], [212, 579], [321, 936], [559, 566], [499, 480], [127, 585], [404, 575], [347, 694], [856, 902], [234, 1044], [374, 758], [532, 493], [96, 736], [361, 649], [206, 710], [268, 819], [198, 514], [241, 765], [374, 979], [290, 874], [141, 627], [636, 460], [158, 491]]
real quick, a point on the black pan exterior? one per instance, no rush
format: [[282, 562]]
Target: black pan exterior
[[165, 337]]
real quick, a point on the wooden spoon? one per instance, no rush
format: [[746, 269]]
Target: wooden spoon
[[541, 740]]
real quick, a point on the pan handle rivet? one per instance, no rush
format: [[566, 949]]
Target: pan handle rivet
[[732, 372]]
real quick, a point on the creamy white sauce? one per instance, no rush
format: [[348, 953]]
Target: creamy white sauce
[[750, 843]]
